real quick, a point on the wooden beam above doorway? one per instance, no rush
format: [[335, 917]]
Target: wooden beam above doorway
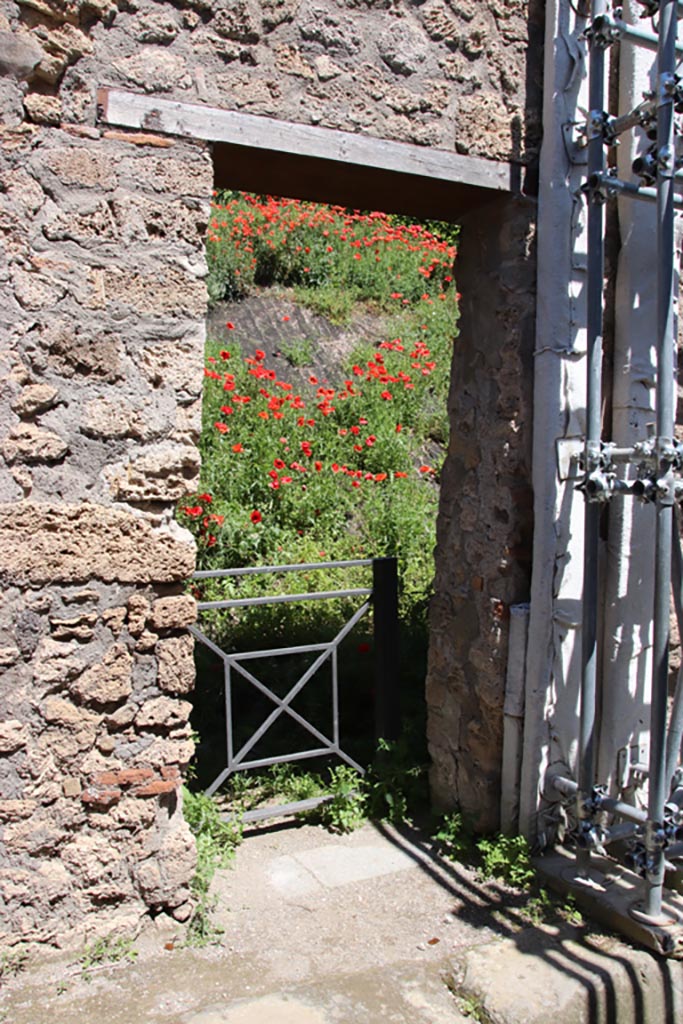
[[457, 182]]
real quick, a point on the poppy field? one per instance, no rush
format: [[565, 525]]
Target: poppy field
[[302, 469]]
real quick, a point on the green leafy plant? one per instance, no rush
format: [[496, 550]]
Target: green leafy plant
[[104, 952], [347, 808], [216, 843], [298, 352], [12, 961], [453, 837], [471, 1006], [507, 858], [395, 785]]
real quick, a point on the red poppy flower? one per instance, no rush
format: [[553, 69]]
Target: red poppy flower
[[231, 327], [238, 447], [256, 516], [222, 428], [194, 511], [206, 498]]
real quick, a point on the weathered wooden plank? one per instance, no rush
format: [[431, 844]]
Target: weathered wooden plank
[[170, 117]]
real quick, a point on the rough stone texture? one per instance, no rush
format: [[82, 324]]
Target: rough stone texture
[[485, 520], [103, 300]]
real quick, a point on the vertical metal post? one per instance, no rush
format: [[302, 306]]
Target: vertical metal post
[[594, 300], [658, 783], [385, 604]]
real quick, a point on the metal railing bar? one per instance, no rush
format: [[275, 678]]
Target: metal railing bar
[[280, 810], [218, 781], [235, 659], [301, 755], [348, 626], [206, 574], [247, 602], [198, 635], [228, 711], [350, 761], [335, 697]]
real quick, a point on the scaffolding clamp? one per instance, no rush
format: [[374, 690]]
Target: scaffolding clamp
[[603, 31]]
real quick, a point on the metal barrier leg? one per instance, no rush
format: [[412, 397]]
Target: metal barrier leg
[[385, 604]]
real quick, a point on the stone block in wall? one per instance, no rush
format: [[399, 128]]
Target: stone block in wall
[[160, 473], [20, 54], [175, 612], [176, 664], [109, 681], [28, 442], [41, 543]]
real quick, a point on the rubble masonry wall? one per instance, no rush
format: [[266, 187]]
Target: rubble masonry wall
[[102, 304]]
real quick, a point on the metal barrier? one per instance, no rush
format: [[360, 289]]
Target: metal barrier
[[653, 835], [384, 596]]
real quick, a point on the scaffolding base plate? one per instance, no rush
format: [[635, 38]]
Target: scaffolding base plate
[[612, 901]]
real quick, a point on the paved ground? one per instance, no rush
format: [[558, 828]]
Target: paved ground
[[369, 927]]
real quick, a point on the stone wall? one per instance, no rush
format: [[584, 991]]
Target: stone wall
[[103, 303], [486, 519]]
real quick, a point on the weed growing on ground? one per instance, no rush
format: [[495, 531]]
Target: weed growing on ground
[[12, 961], [347, 808], [471, 1006], [507, 858], [216, 841], [395, 786], [453, 838], [111, 949]]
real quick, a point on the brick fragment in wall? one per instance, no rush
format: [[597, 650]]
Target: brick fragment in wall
[[176, 672], [40, 543]]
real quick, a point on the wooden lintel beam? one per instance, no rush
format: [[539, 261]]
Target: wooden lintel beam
[[196, 121]]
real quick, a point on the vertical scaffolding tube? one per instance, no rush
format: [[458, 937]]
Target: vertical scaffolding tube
[[594, 298], [658, 783]]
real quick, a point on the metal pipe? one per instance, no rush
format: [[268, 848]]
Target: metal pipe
[[675, 733], [594, 290], [567, 787], [513, 718], [641, 36], [666, 62], [605, 184]]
